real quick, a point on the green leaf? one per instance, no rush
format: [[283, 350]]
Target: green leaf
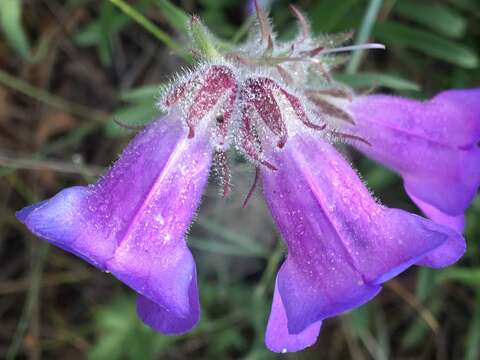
[[366, 79], [469, 5], [202, 40], [472, 347], [177, 18], [326, 14], [121, 335], [359, 320], [11, 24], [377, 177], [107, 12], [91, 34], [143, 94], [392, 33], [137, 114], [117, 21], [221, 248], [151, 27], [417, 331], [425, 283], [467, 276], [232, 237], [436, 16]]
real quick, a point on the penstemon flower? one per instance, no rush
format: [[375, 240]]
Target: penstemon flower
[[278, 105]]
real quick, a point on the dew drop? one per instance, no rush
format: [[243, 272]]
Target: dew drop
[[159, 218]]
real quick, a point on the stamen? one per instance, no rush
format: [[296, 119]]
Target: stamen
[[215, 83], [350, 137], [128, 126], [331, 109], [339, 93], [252, 188], [297, 107], [250, 142], [258, 92], [354, 47]]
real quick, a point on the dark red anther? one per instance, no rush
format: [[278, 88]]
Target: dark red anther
[[250, 142], [300, 112], [215, 82], [259, 93]]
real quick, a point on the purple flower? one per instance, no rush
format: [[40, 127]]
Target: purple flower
[[132, 223], [342, 245], [432, 144], [262, 99]]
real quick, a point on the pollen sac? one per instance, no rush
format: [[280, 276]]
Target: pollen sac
[[208, 95], [277, 108], [258, 94], [249, 140]]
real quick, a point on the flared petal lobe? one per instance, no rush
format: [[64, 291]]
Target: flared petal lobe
[[341, 244], [277, 337], [433, 145], [132, 223]]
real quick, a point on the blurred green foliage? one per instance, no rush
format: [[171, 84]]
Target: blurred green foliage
[[11, 24], [431, 46]]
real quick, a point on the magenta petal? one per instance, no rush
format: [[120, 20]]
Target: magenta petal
[[341, 244], [277, 337], [132, 223], [432, 144]]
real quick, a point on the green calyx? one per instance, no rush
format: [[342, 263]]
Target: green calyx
[[202, 40]]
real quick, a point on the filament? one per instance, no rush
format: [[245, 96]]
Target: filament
[[354, 47]]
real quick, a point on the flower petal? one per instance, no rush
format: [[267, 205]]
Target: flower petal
[[132, 223], [341, 243], [456, 222], [451, 250], [161, 319], [277, 337], [433, 145]]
